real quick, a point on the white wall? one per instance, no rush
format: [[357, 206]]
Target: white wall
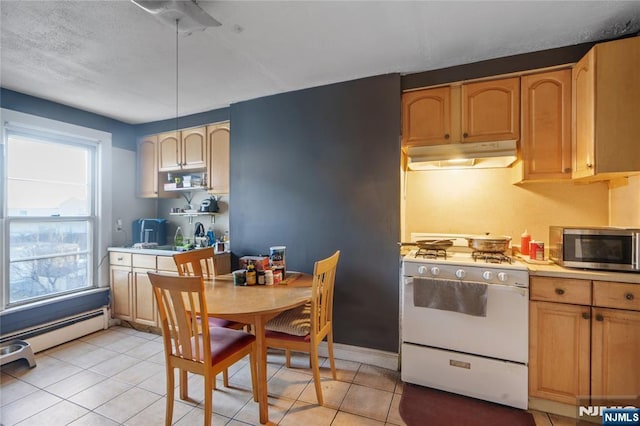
[[125, 204], [479, 201], [624, 202]]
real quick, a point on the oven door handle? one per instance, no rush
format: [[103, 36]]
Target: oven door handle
[[522, 289]]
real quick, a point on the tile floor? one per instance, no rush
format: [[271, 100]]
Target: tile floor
[[117, 377]]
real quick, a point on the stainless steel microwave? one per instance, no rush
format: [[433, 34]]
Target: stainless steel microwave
[[608, 248]]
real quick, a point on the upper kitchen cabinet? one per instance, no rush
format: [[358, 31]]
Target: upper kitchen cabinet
[[546, 126], [426, 117], [606, 107], [218, 158], [147, 167], [484, 111], [491, 110], [183, 150]]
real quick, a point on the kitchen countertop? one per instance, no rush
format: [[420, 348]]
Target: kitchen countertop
[[553, 270], [166, 251]]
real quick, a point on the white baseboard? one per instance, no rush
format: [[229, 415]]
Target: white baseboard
[[388, 360], [57, 336]]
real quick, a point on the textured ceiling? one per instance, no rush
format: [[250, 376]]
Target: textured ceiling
[[114, 59]]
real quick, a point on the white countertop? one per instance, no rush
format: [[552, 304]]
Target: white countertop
[[553, 270], [156, 252]]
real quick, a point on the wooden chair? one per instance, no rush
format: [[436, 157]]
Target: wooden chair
[[203, 263], [302, 329], [190, 344]]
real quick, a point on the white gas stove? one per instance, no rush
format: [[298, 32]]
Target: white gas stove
[[465, 322]]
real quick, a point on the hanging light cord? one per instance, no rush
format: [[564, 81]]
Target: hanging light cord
[[177, 21]]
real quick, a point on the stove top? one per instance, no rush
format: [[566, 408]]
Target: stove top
[[460, 254]]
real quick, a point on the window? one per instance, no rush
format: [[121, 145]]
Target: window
[[51, 213]]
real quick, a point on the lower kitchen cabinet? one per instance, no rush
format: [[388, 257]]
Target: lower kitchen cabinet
[[586, 349], [132, 296], [559, 351]]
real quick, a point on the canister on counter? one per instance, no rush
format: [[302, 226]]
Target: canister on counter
[[536, 250], [277, 258], [268, 277], [277, 276]]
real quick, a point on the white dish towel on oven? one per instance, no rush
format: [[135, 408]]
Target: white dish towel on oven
[[465, 297]]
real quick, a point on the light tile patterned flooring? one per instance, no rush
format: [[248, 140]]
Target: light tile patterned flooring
[[117, 377]]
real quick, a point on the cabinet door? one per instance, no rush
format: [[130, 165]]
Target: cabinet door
[[491, 110], [147, 167], [144, 304], [559, 351], [120, 279], [194, 148], [426, 117], [583, 106], [218, 159], [615, 347], [169, 151], [546, 125]]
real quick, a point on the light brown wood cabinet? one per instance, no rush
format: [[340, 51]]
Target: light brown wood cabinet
[[121, 285], [473, 112], [218, 137], [132, 296], [606, 107], [182, 150], [546, 126], [426, 117], [491, 110], [584, 339], [147, 167]]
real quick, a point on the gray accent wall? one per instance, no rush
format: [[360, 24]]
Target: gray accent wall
[[318, 170]]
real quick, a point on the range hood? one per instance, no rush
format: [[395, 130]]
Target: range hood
[[477, 155]]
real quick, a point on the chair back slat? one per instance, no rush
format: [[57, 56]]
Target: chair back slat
[[324, 274], [201, 262], [186, 335]]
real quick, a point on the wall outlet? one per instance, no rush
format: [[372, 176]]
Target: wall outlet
[[118, 225]]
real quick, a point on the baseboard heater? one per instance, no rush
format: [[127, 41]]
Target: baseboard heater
[[55, 333]]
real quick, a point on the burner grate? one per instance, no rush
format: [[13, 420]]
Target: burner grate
[[431, 253], [490, 257]]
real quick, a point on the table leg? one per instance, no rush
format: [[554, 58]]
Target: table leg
[[261, 343]]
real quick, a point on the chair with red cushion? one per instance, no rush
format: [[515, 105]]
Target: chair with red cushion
[[191, 345], [303, 328]]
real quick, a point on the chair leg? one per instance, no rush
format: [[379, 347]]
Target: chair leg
[[171, 388], [287, 354], [316, 373], [225, 377], [209, 380], [253, 359], [184, 385], [330, 350]]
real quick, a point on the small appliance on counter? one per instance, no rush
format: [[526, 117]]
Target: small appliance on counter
[[606, 248], [148, 231], [209, 205]]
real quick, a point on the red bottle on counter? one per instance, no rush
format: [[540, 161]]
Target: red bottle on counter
[[525, 239]]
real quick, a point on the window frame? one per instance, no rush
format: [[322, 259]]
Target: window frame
[[99, 217]]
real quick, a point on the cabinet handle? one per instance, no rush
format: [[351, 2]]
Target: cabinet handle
[[567, 170], [628, 296], [120, 258], [589, 165], [599, 317], [446, 136], [559, 291], [464, 135], [586, 315]]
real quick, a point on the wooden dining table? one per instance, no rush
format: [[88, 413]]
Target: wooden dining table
[[256, 305]]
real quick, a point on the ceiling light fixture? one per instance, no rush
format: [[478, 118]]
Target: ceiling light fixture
[[188, 14]]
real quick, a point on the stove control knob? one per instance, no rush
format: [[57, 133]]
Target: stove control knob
[[435, 271], [487, 275], [502, 276], [422, 270], [461, 273]]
